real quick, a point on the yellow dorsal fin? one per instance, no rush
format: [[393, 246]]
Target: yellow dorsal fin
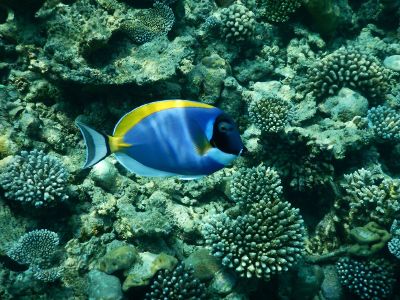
[[116, 143], [135, 116]]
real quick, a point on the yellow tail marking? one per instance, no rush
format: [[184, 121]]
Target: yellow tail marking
[[135, 116], [116, 143]]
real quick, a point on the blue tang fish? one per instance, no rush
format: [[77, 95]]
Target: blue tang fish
[[180, 138]]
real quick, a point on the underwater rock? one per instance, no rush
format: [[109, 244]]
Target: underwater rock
[[331, 288], [303, 282], [204, 265], [100, 52], [223, 282], [207, 78], [147, 266], [345, 106], [104, 174], [120, 258], [392, 62], [103, 286]]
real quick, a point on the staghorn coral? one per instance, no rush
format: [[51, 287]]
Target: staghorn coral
[[385, 123], [238, 23], [36, 179], [270, 115], [250, 185], [278, 11], [266, 240], [36, 249], [148, 24], [372, 279], [176, 284], [368, 196], [348, 67]]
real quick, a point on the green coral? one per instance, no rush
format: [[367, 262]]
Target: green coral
[[278, 11], [35, 179], [385, 123], [238, 23], [249, 185], [372, 279], [348, 67], [146, 25], [270, 115], [368, 196], [266, 240], [37, 248], [179, 283]]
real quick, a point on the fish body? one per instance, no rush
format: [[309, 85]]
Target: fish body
[[168, 138]]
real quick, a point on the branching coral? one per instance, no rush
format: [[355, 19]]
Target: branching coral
[[368, 196], [37, 249], [36, 179], [385, 123], [179, 283], [372, 279], [270, 115], [266, 240], [348, 67], [148, 24], [250, 185], [394, 243], [238, 23], [304, 164], [278, 10]]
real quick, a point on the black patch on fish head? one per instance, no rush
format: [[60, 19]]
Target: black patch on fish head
[[226, 135]]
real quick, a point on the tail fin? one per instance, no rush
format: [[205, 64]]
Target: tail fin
[[97, 147]]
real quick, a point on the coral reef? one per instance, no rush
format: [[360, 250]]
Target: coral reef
[[249, 185], [178, 284], [367, 279], [394, 243], [37, 249], [270, 115], [313, 86], [368, 195], [149, 24], [35, 179], [348, 67], [278, 10], [385, 123], [267, 240], [238, 23]]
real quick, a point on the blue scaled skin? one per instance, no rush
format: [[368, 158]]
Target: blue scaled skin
[[168, 138]]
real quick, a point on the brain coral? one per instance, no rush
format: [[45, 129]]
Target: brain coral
[[348, 67], [372, 279], [238, 23], [385, 123], [270, 115], [266, 240], [176, 284], [36, 249], [36, 179]]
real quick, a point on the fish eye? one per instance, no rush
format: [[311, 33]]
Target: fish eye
[[224, 127]]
